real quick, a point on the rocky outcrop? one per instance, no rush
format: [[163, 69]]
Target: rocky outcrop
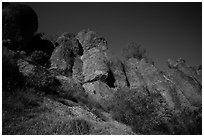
[[134, 77], [89, 91], [175, 93], [188, 87], [19, 23], [90, 39], [189, 71], [94, 65], [63, 56], [75, 47], [94, 57]]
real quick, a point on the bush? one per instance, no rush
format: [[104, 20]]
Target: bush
[[133, 50], [148, 114]]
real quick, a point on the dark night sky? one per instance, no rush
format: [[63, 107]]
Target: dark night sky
[[166, 30]]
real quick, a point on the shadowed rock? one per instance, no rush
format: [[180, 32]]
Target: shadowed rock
[[62, 58], [38, 43], [77, 70], [76, 46], [118, 73]]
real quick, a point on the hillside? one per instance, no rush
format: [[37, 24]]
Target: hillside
[[73, 85]]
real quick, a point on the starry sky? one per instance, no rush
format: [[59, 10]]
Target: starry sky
[[166, 30]]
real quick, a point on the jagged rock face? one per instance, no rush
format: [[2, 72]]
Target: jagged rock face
[[190, 89], [94, 65], [90, 39], [156, 82], [98, 91], [19, 22], [184, 68], [142, 74]]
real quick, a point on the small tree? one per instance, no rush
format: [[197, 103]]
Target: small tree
[[134, 50]]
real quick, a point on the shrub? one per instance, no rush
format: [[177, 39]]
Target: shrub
[[148, 114], [134, 50]]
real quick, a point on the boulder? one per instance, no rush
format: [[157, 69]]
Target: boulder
[[94, 65], [90, 39], [19, 23]]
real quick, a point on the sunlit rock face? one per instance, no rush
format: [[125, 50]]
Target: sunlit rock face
[[94, 56], [94, 65], [19, 23], [90, 39]]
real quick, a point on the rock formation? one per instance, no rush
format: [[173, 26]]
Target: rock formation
[[78, 87], [67, 49]]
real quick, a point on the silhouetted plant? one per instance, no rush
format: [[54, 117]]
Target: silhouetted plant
[[134, 50]]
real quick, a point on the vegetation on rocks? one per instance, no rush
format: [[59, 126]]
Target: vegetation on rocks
[[73, 85]]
